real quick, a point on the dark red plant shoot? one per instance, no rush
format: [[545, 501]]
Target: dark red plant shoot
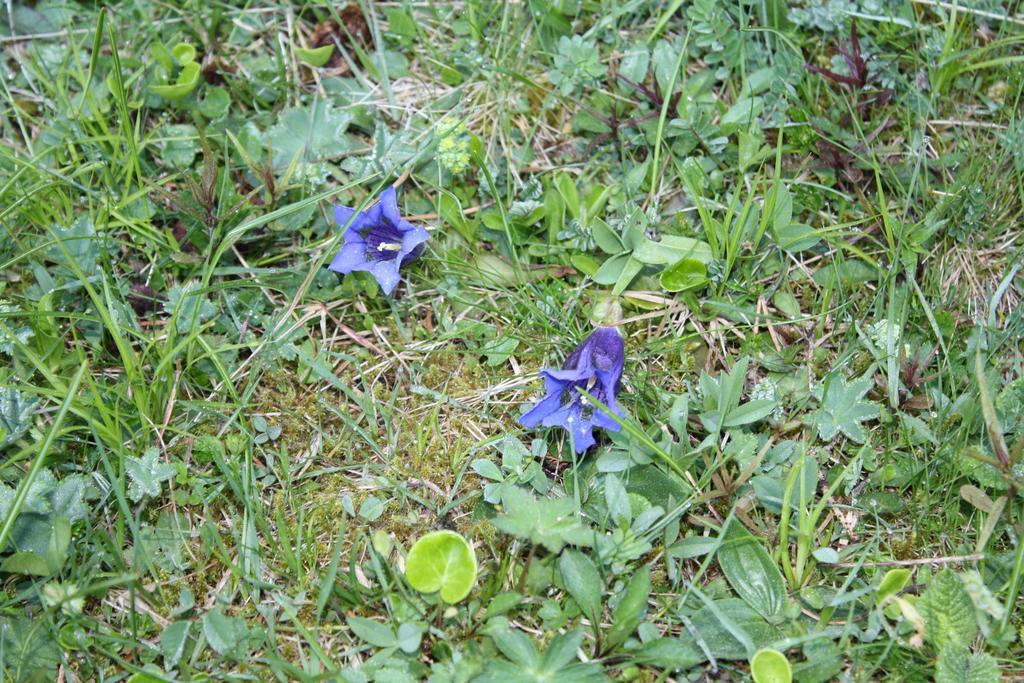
[[860, 76]]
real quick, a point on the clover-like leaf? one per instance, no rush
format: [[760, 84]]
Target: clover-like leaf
[[147, 474], [843, 409], [442, 561]]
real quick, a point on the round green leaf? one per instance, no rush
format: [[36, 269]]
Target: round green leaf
[[315, 57], [215, 104], [442, 561], [770, 666]]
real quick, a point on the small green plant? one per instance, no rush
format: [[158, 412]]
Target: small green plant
[[177, 71]]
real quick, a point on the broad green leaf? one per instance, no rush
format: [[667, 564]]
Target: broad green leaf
[[442, 561], [770, 666], [743, 112], [185, 53], [670, 249], [487, 469], [787, 304], [630, 270], [371, 509], [409, 637], [67, 499], [29, 650], [796, 237], [222, 632], [669, 653], [822, 661], [617, 500], [749, 412], [751, 572], [611, 269], [717, 636], [583, 582], [605, 237], [26, 562], [373, 632]]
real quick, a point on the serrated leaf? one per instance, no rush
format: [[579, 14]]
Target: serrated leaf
[[179, 145], [147, 474], [8, 342], [957, 665], [28, 650], [68, 498], [949, 615], [843, 409], [310, 134], [551, 523]]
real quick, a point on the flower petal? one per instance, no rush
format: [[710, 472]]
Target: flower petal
[[343, 216], [567, 375], [546, 406], [351, 257], [386, 273], [389, 206], [582, 435], [413, 237], [603, 420]]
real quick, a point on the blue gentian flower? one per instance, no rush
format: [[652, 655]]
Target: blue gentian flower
[[596, 367], [377, 240]]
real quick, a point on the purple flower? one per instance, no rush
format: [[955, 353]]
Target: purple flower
[[596, 367], [377, 241]]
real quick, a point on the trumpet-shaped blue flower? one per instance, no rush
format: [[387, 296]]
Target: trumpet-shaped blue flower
[[596, 367], [377, 240]]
